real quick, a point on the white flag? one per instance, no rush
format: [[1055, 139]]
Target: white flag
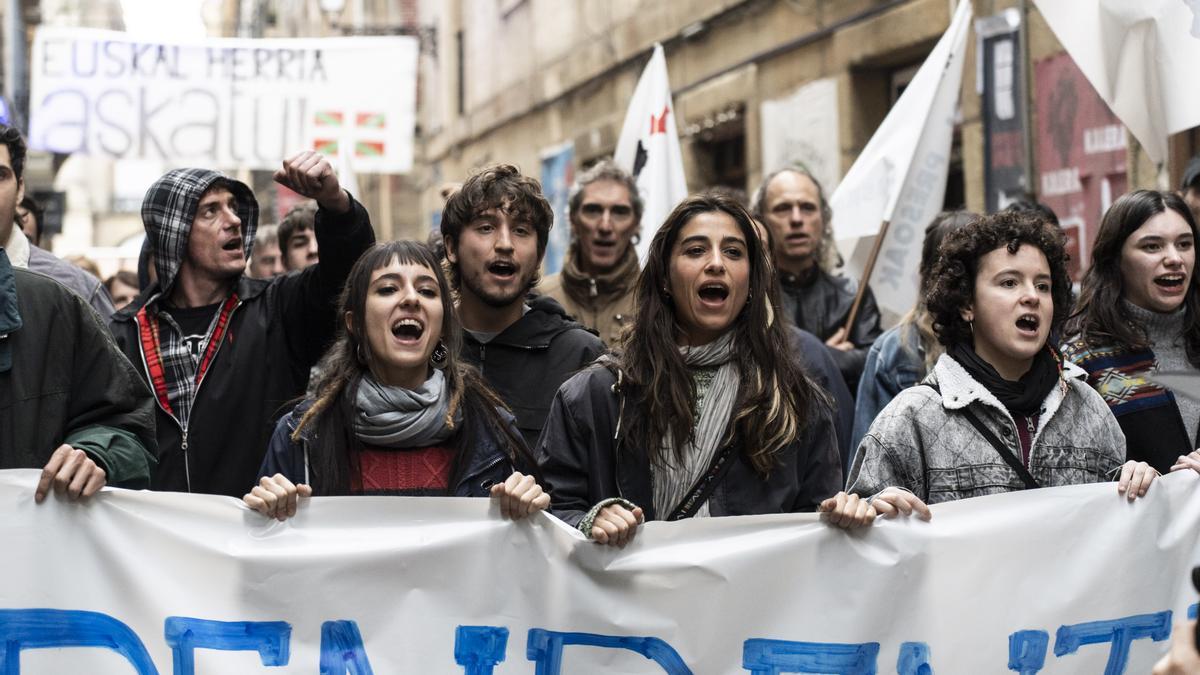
[[649, 148], [1141, 57], [900, 177]]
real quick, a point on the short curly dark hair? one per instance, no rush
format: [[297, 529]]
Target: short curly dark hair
[[953, 286]]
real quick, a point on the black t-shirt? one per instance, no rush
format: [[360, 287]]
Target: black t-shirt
[[194, 323]]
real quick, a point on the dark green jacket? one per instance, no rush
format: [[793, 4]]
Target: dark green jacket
[[62, 380]]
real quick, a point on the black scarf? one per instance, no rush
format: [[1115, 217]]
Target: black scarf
[[1023, 397]]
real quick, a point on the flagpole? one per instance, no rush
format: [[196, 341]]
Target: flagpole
[[866, 276]]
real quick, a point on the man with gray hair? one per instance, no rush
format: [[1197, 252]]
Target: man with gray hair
[[597, 281], [792, 204]]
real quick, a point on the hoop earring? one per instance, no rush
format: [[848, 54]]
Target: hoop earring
[[439, 356]]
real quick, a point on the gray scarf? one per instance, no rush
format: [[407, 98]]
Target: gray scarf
[[672, 483], [395, 417]]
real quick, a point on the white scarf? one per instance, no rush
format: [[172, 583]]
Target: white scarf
[[672, 483]]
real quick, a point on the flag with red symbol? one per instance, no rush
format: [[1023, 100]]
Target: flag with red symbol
[[649, 148]]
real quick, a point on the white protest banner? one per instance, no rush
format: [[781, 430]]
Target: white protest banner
[[900, 176], [224, 102], [648, 148], [1141, 58], [802, 130], [1064, 580]]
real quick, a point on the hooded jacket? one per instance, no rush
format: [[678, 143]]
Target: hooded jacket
[[62, 380], [275, 332], [527, 362]]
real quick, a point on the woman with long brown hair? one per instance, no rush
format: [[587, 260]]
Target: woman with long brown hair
[[397, 411], [703, 411], [1139, 312]]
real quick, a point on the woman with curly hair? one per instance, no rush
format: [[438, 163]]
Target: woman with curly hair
[[703, 411], [1139, 312], [1001, 411], [397, 411]]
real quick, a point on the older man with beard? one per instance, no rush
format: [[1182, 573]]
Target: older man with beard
[[495, 229]]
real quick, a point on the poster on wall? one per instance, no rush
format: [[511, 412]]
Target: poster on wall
[[558, 173], [1003, 99], [1081, 154], [802, 130]]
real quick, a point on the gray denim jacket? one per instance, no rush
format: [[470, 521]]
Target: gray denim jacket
[[922, 441]]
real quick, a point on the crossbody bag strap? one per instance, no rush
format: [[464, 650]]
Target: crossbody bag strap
[[704, 487], [1005, 453]]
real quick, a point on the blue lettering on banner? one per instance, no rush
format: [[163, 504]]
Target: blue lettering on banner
[[52, 628], [914, 659], [1119, 632], [479, 648], [1027, 651], [342, 649], [544, 648], [184, 635], [774, 657]]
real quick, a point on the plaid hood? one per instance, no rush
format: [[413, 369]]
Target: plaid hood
[[170, 207]]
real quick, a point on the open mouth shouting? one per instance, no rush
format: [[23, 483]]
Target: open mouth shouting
[[1172, 283], [408, 330], [503, 269], [713, 294], [1027, 325], [234, 244]]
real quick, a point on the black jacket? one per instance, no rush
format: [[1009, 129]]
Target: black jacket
[[527, 362], [585, 461], [62, 380], [820, 304], [819, 365], [277, 332]]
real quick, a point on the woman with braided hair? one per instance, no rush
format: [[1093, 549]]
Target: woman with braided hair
[[396, 410]]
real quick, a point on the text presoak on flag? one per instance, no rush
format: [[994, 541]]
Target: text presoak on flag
[[1141, 56], [224, 102], [1055, 581], [900, 176], [649, 148]]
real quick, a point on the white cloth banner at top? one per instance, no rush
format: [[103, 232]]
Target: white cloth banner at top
[[1140, 56], [224, 102], [900, 176], [134, 582], [649, 148]]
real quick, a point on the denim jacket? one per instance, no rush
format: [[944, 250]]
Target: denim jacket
[[921, 442], [895, 363]]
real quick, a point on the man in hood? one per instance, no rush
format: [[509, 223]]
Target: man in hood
[[70, 404], [223, 352], [495, 229]]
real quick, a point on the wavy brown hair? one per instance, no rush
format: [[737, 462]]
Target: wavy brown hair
[[775, 398], [1100, 317], [953, 286], [327, 424]]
